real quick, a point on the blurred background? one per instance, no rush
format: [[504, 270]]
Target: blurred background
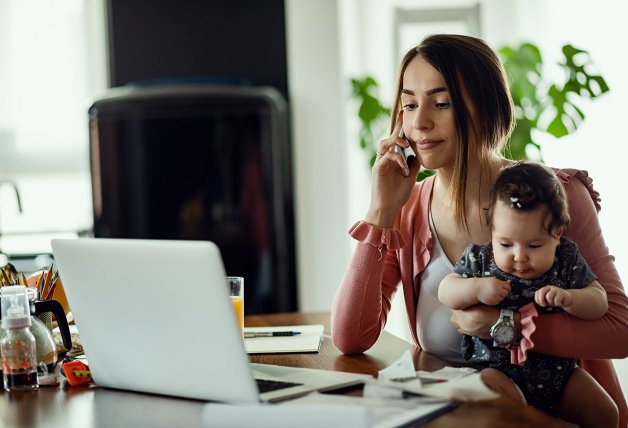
[[57, 59]]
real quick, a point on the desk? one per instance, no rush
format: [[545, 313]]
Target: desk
[[91, 407]]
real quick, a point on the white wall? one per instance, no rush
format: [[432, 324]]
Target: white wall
[[331, 40], [317, 97], [599, 146]]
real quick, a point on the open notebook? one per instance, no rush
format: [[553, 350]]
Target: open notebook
[[155, 316], [308, 339]]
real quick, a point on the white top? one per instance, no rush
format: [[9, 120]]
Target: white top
[[438, 335]]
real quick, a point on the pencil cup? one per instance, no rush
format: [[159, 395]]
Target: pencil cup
[[236, 288]]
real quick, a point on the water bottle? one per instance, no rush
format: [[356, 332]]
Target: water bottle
[[17, 346]]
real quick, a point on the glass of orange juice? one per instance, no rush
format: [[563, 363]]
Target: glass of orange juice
[[236, 288]]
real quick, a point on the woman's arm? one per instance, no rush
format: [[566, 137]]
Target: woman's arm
[[563, 334], [362, 302]]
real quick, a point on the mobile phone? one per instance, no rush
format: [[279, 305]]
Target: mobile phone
[[407, 152]]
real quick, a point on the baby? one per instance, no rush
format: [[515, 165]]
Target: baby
[[530, 261]]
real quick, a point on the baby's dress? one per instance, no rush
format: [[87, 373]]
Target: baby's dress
[[542, 378]]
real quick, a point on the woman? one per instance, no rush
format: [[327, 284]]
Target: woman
[[453, 107]]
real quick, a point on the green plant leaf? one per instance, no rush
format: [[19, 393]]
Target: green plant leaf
[[579, 79], [363, 142], [372, 159], [369, 109], [424, 173], [558, 104], [557, 128]]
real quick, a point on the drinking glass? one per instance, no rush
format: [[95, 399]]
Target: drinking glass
[[236, 288]]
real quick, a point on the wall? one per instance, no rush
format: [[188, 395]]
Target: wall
[[319, 149]]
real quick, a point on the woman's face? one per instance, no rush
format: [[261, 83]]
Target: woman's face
[[428, 118]]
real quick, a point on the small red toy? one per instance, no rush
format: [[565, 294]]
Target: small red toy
[[76, 372]]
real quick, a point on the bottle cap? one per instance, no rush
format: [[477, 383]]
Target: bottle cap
[[15, 307]]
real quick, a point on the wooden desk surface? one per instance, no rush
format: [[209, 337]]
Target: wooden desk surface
[[93, 406]]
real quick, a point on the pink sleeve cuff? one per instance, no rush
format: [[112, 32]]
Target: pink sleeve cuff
[[377, 236], [519, 354]]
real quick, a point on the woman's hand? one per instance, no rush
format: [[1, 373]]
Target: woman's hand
[[392, 179], [475, 320]]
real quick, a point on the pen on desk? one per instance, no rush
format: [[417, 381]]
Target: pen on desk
[[429, 380], [252, 334]]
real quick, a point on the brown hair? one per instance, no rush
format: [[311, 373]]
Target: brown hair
[[526, 186], [468, 65]]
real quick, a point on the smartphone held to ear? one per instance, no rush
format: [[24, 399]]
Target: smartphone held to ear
[[407, 153]]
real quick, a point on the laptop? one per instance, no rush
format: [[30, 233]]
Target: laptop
[[155, 316]]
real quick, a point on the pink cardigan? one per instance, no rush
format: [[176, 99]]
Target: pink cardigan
[[362, 302]]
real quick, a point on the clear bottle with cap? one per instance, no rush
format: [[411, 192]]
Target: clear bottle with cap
[[17, 346]]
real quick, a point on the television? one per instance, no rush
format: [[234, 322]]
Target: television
[[200, 162]]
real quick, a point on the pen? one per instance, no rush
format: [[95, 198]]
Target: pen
[[429, 380], [252, 334]]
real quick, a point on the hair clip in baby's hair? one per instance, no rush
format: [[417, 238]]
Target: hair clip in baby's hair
[[515, 202]]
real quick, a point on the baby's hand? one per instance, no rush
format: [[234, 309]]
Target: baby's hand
[[491, 290], [550, 295]]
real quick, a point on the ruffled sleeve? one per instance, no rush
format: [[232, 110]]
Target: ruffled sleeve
[[363, 300], [568, 174], [377, 236], [519, 354]]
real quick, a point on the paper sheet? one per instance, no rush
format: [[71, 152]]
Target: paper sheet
[[448, 383], [324, 410], [385, 412], [467, 388], [308, 415], [402, 368]]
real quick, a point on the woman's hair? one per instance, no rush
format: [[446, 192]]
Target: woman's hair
[[526, 186], [468, 66]]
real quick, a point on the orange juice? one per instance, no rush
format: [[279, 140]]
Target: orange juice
[[238, 307]]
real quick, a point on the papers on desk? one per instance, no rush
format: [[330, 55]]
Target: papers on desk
[[309, 339], [385, 402], [449, 383], [307, 415], [380, 412], [326, 410]]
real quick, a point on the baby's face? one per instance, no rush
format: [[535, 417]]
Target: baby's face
[[521, 243]]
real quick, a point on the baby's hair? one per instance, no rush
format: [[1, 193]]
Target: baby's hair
[[527, 185]]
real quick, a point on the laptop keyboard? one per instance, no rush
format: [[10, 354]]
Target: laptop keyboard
[[265, 385]]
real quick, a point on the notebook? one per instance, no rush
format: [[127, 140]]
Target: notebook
[[155, 316], [306, 338]]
